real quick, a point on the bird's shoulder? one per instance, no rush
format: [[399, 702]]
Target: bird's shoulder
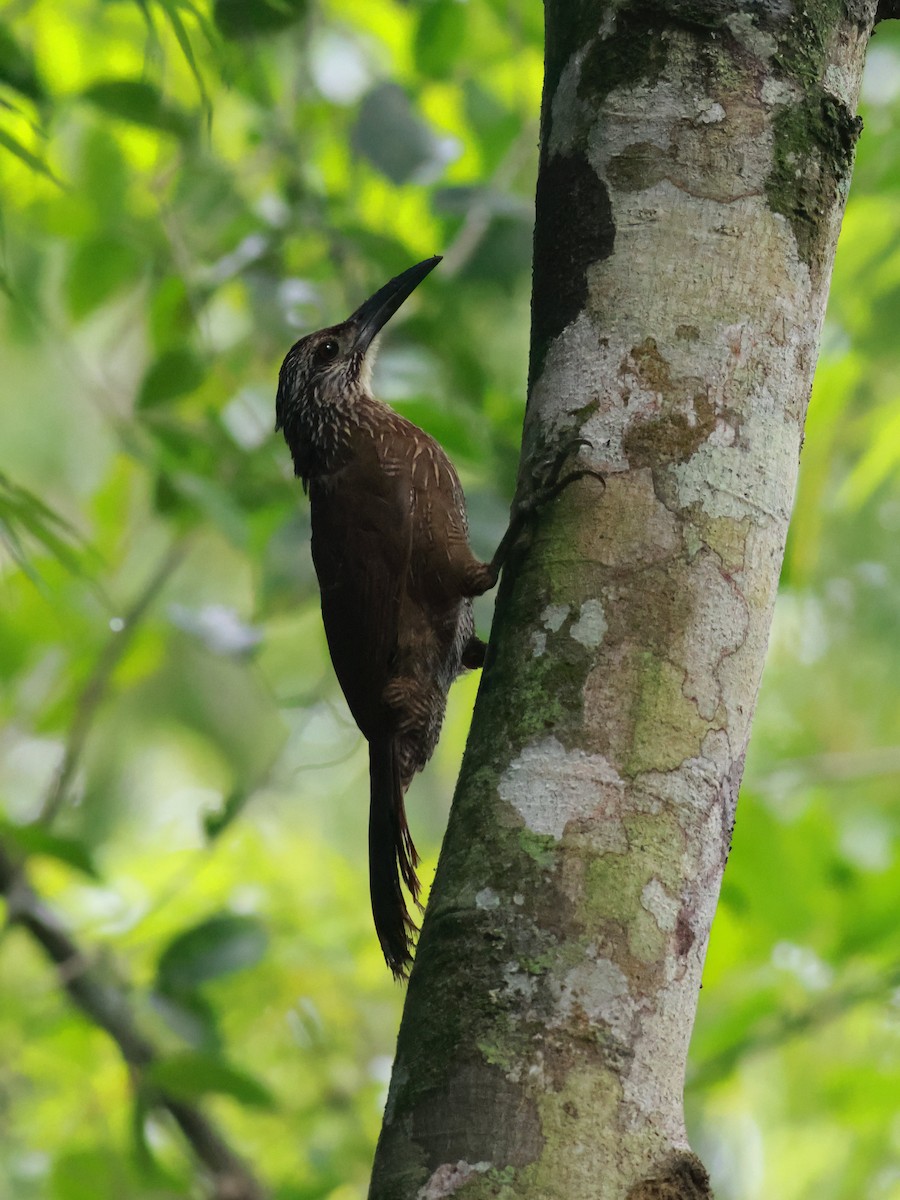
[[404, 448]]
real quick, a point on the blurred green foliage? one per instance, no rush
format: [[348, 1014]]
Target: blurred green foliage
[[186, 188]]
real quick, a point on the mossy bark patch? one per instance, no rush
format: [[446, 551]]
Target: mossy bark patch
[[804, 39], [811, 162]]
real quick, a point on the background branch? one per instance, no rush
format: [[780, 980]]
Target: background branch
[[95, 688], [106, 1006], [774, 1030]]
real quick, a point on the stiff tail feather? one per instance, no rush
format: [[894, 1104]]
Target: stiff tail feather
[[392, 858]]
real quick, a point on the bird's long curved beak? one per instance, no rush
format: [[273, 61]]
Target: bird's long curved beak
[[371, 316]]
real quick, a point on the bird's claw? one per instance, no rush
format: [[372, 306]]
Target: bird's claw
[[548, 481], [549, 484]]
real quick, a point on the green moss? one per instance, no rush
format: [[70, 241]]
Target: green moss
[[667, 728], [652, 837], [453, 1010], [558, 957], [539, 696], [538, 965], [495, 1184], [814, 139], [580, 415], [504, 1055], [814, 142], [613, 882], [646, 941], [803, 41], [724, 67], [590, 1095], [612, 887], [539, 847]]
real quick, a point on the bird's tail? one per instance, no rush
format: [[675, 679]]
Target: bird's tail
[[392, 858]]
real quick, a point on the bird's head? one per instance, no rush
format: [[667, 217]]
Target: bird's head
[[329, 368]]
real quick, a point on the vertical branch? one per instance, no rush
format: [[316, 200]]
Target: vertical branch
[[691, 185]]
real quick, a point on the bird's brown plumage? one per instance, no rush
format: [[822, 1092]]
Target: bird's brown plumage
[[396, 574]]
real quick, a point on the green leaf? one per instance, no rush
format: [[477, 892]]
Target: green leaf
[[191, 1016], [495, 126], [141, 103], [100, 267], [170, 312], [175, 373], [218, 946], [240, 19], [191, 1075], [439, 38], [141, 1110], [87, 1175], [104, 174], [14, 146], [17, 67], [211, 498], [217, 821], [187, 50], [34, 839], [391, 136], [878, 463], [21, 510]]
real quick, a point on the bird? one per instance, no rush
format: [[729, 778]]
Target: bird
[[396, 573]]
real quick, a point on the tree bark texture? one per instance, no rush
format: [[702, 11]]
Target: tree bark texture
[[695, 159]]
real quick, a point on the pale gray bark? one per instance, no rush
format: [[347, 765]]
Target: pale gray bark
[[695, 161]]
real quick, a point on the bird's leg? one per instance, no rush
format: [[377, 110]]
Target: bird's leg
[[550, 482]]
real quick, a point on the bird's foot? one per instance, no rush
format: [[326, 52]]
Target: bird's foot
[[549, 482]]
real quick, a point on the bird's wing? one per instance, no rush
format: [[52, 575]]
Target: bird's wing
[[361, 540]]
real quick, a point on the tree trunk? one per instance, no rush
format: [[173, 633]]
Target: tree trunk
[[695, 158]]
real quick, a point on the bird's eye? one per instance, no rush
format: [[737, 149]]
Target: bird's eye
[[327, 351]]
